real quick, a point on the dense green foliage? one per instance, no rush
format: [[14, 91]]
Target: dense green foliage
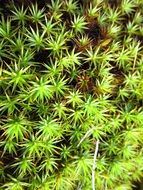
[[71, 75]]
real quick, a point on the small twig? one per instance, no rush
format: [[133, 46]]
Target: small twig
[[79, 187], [94, 164], [88, 133], [134, 64]]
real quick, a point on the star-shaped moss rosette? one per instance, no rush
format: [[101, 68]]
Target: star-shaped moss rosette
[[71, 91]]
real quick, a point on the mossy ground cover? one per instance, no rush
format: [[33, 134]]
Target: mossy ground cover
[[71, 94]]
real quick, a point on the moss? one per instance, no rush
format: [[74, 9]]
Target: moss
[[71, 83]]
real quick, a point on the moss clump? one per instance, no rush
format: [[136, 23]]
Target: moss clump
[[71, 91]]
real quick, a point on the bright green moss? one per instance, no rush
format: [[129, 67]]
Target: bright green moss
[[71, 91]]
